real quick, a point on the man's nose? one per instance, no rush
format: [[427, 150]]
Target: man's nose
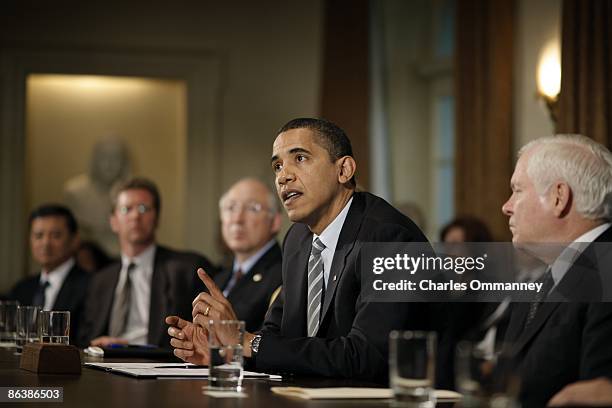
[[284, 175], [507, 207]]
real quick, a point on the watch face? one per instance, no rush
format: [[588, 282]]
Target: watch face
[[255, 344]]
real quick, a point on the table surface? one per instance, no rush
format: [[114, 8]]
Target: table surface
[[96, 388]]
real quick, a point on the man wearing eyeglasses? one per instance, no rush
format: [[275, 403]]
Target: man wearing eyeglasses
[[250, 220], [128, 300]]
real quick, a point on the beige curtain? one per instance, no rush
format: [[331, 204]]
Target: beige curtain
[[585, 102], [483, 91]]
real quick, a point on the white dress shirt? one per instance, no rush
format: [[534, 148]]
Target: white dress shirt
[[56, 279], [329, 237], [137, 327]]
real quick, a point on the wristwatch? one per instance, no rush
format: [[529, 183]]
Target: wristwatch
[[255, 344]]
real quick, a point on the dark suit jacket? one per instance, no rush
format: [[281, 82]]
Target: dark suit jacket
[[567, 341], [250, 297], [71, 296], [352, 341], [174, 286]]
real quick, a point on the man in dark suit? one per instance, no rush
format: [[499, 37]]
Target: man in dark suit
[[128, 300], [320, 324], [250, 220], [61, 285], [562, 187]]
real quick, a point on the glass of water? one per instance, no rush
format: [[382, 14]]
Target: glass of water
[[485, 380], [412, 362], [226, 361], [54, 327], [8, 323], [27, 325]]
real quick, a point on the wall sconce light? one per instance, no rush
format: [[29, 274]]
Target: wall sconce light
[[549, 79]]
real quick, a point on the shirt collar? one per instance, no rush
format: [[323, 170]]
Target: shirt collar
[[567, 257], [246, 266], [144, 259], [331, 233], [56, 276]]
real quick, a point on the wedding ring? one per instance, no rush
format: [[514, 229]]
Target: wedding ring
[[207, 310]]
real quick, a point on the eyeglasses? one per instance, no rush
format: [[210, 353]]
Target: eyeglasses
[[140, 208], [251, 208]]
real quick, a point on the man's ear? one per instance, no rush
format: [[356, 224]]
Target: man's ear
[[347, 168], [561, 195]]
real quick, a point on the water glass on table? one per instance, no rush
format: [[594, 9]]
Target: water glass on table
[[27, 325], [54, 327], [486, 380], [412, 362], [226, 356], [8, 323]]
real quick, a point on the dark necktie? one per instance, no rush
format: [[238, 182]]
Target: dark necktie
[[315, 287], [121, 306], [39, 296], [233, 282], [547, 284]]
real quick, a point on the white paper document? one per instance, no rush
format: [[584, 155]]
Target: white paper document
[[155, 370], [353, 393]]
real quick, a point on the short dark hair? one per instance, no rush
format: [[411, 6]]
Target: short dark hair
[[331, 137], [55, 210], [137, 183], [473, 228]]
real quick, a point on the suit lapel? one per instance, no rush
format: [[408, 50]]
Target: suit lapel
[[159, 296], [346, 243], [542, 315], [260, 267], [295, 287], [106, 294], [62, 301], [565, 291]]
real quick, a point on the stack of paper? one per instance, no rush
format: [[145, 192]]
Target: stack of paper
[[156, 370]]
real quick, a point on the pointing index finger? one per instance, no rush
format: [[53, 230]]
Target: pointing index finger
[[210, 284]]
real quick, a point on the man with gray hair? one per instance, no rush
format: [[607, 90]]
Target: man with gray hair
[[250, 220], [561, 194]]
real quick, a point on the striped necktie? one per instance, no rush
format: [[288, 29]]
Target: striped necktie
[[315, 287], [121, 306]]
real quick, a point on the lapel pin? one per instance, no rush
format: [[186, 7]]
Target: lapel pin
[[257, 277], [334, 278]]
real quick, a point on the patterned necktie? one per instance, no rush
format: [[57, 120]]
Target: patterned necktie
[[39, 296], [121, 306], [547, 284], [315, 287]]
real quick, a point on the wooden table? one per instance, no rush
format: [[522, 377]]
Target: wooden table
[[95, 388]]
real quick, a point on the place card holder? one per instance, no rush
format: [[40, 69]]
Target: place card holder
[[48, 358]]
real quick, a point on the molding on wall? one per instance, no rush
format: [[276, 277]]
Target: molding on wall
[[202, 70]]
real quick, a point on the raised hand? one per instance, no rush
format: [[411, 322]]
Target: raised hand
[[190, 341], [211, 306]]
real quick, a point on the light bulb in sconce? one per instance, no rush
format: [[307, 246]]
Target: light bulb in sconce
[[549, 78]]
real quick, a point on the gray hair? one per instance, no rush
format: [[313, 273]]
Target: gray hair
[[585, 165], [273, 204]]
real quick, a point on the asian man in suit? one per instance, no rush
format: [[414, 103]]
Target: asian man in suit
[[561, 194], [61, 284], [250, 220], [320, 324], [127, 300]]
